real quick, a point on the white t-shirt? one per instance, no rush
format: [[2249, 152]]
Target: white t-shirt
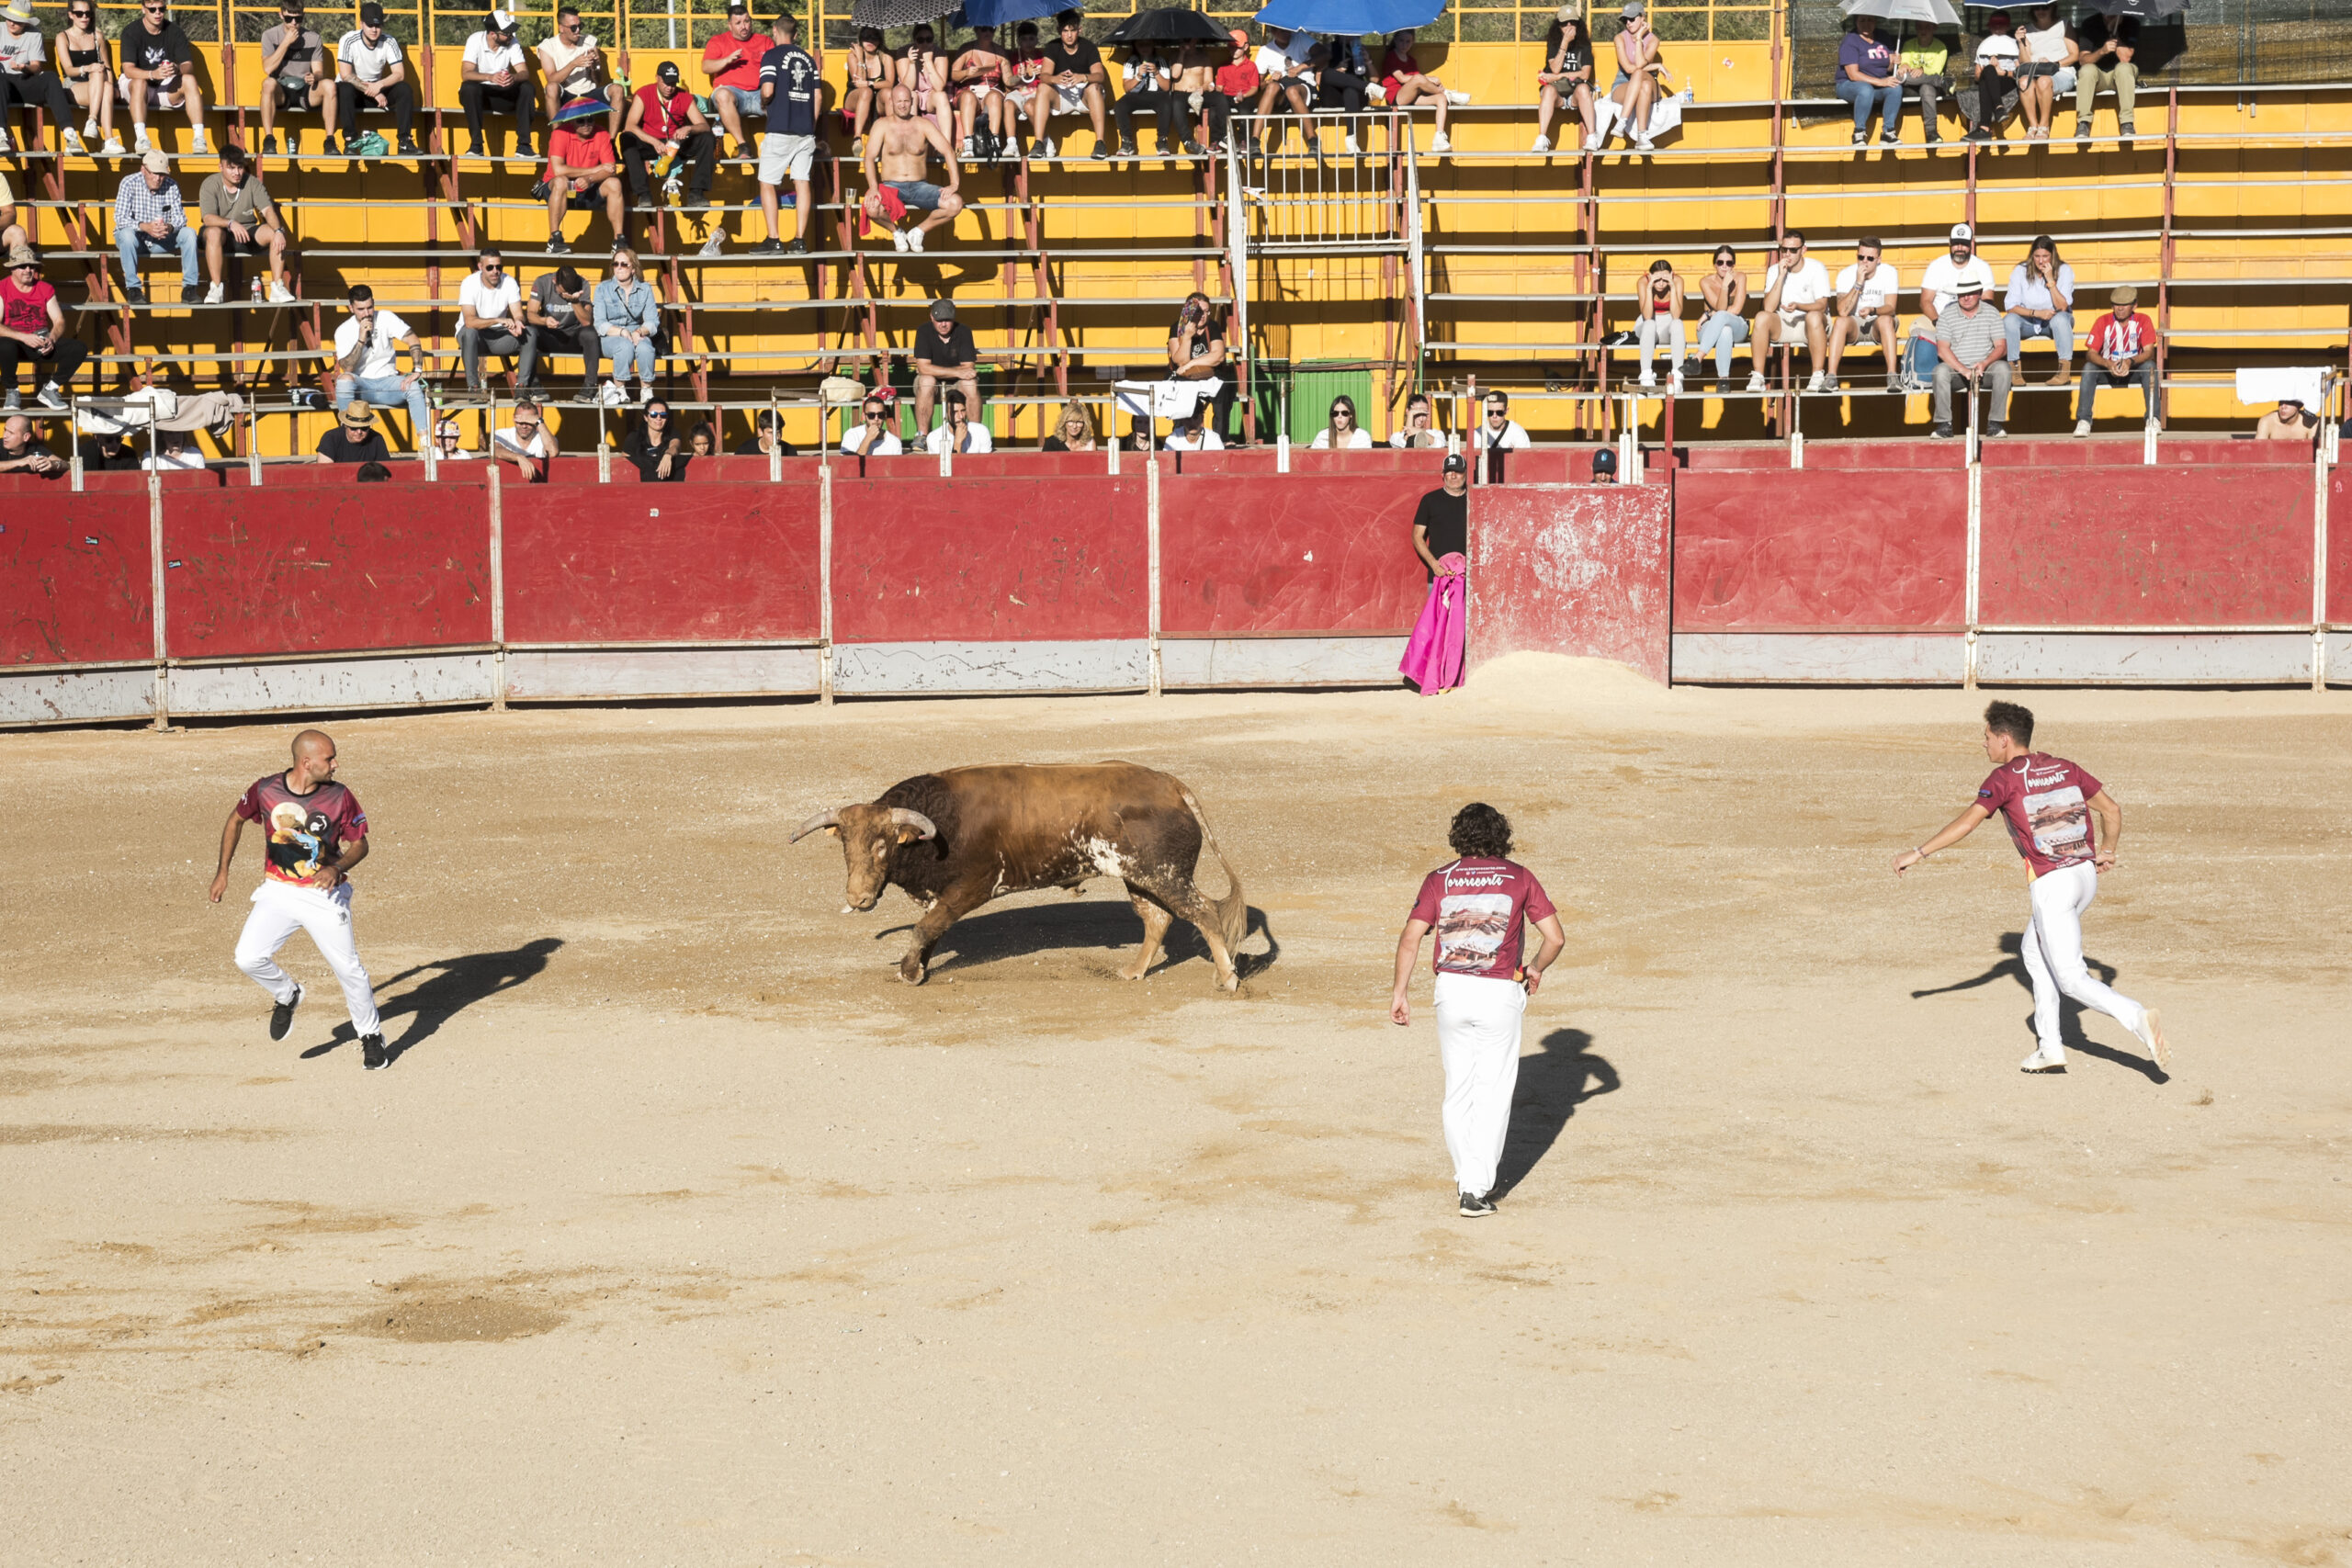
[[368, 62], [557, 56], [1512, 439], [977, 436], [1356, 440], [376, 365], [1808, 284], [1880, 288], [490, 304], [1286, 61], [459, 456], [488, 61], [1942, 278], [890, 446], [1996, 46], [538, 447], [1201, 440]]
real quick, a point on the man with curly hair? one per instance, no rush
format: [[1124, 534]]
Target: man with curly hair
[[1479, 904]]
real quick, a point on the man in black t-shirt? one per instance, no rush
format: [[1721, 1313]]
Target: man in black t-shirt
[[1441, 523], [159, 71], [945, 358], [1076, 82], [356, 440], [766, 439]]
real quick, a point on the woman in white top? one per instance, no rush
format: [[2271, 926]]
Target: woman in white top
[[1343, 434], [2047, 50], [1420, 428], [2040, 303]]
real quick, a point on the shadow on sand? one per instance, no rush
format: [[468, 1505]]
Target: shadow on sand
[[2011, 966], [1551, 1086], [456, 984], [992, 936]]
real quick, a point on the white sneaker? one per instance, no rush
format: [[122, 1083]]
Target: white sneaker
[[1756, 380], [2082, 428], [213, 294], [2151, 1032], [1543, 144], [140, 144], [899, 239], [1456, 98], [965, 150], [1348, 147], [1594, 143], [1817, 383], [3, 141], [2045, 1059], [113, 148], [52, 397], [613, 395], [71, 144], [195, 141], [1642, 144], [914, 240], [90, 129], [1649, 377], [280, 294], [1674, 383], [644, 393], [1440, 142]]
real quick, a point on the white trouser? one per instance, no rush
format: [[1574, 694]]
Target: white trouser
[[1477, 1038], [279, 909], [2053, 957]]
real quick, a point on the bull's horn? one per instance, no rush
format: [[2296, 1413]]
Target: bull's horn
[[902, 817], [822, 819]]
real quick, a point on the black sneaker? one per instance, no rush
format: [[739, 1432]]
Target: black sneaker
[[798, 248], [281, 1015], [269, 146], [557, 247], [409, 149], [1943, 433], [1996, 431], [372, 1053], [769, 247], [1475, 1206], [1861, 139], [478, 149], [588, 397]]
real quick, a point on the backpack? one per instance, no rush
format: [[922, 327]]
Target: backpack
[[370, 145]]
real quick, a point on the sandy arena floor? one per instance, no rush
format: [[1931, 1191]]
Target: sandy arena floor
[[680, 1232]]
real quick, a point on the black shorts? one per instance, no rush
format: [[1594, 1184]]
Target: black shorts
[[233, 246]]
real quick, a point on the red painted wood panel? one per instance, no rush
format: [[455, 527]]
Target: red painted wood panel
[[2340, 548], [1809, 550], [2147, 547], [661, 563], [1571, 568], [1252, 556], [380, 566], [74, 580], [989, 560]]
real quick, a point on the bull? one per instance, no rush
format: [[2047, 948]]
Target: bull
[[958, 838]]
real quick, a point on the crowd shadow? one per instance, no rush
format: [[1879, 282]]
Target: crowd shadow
[[2011, 966], [455, 984], [1021, 931], [1551, 1086]]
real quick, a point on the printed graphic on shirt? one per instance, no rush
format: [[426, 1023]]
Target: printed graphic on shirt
[[297, 837], [304, 831], [2061, 821], [2045, 804], [1472, 928]]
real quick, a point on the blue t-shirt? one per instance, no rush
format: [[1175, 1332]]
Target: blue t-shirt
[[790, 76], [1875, 56]]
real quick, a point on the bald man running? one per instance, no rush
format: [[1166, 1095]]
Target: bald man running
[[316, 833]]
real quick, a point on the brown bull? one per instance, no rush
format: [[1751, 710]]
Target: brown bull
[[958, 838]]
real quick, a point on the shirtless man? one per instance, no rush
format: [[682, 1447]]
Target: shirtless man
[[898, 154]]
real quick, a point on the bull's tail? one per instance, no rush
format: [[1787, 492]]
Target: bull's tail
[[1233, 910]]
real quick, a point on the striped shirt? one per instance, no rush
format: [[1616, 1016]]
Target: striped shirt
[[2115, 338], [134, 204]]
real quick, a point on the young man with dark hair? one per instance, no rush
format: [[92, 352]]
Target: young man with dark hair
[[765, 439], [294, 59], [561, 313], [495, 78], [789, 84], [159, 72], [2049, 805], [372, 69], [490, 321], [239, 219]]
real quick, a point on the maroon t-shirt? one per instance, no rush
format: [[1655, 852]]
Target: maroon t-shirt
[[2046, 801], [304, 830], [1479, 908]]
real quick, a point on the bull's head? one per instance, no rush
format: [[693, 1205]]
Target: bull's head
[[870, 836]]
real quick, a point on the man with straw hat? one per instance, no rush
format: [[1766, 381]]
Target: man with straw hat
[[355, 439], [32, 331]]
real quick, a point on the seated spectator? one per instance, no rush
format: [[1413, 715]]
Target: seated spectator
[[365, 362], [1285, 80], [1661, 322], [2120, 350], [897, 157], [1498, 432], [957, 433], [1343, 78], [1939, 286], [1342, 434], [496, 79], [372, 474], [1025, 73], [371, 75], [1997, 76], [562, 320], [151, 218], [1725, 326], [175, 451], [1866, 293], [629, 321], [1195, 67], [32, 333], [1441, 521], [1796, 306], [2104, 50], [449, 442], [355, 439], [2045, 50], [923, 71], [1076, 82], [733, 60], [1922, 66], [574, 72], [159, 71], [872, 69], [1151, 89], [490, 320], [1405, 83], [525, 443], [1869, 78], [1970, 348], [873, 437], [1635, 93], [1197, 352], [945, 356], [1566, 78], [240, 220], [1419, 429], [582, 174], [1073, 432], [2040, 303], [2289, 422], [702, 441], [1604, 466], [108, 453], [664, 132], [12, 233], [789, 84], [28, 83], [82, 55], [765, 439], [1189, 435], [20, 453], [654, 446], [979, 74], [1237, 83]]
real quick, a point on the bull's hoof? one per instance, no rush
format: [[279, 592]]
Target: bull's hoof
[[1230, 981], [912, 974]]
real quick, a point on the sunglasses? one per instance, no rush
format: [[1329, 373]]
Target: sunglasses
[[1342, 413], [655, 413], [874, 414], [1791, 250], [533, 425]]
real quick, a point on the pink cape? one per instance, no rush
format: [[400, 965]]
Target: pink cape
[[1433, 657]]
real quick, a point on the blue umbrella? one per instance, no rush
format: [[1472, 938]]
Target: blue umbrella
[[1349, 19], [1004, 13]]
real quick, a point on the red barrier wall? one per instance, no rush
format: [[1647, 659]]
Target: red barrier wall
[[1572, 569], [1243, 557], [1807, 550], [2340, 548], [719, 563], [2146, 548], [380, 566], [74, 580], [989, 560]]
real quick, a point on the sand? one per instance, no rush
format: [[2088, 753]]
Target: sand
[[680, 1232]]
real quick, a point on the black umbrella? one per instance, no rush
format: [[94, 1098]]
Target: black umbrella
[[1168, 25], [899, 13]]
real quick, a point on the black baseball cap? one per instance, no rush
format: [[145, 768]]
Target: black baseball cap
[[371, 14], [1456, 464]]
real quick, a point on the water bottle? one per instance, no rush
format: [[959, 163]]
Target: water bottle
[[253, 289]]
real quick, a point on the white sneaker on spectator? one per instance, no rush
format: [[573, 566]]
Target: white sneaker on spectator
[[213, 294], [966, 150], [280, 294], [1440, 142], [1674, 383], [51, 397], [4, 140], [140, 144], [1350, 147], [1817, 383], [613, 395], [914, 240], [1543, 144], [644, 392], [1643, 144], [90, 129], [1596, 142], [71, 144], [1456, 98], [2082, 428], [195, 141], [113, 148], [1756, 380], [899, 238], [1648, 378]]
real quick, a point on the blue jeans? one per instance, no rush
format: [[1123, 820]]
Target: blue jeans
[[2059, 328], [130, 245], [1861, 96], [1719, 333], [623, 352], [383, 392], [2094, 378]]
